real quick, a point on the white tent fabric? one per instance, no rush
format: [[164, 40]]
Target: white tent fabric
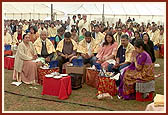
[[27, 8], [114, 8], [149, 11], [27, 11], [141, 11]]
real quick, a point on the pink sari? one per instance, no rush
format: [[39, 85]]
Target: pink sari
[[105, 52]]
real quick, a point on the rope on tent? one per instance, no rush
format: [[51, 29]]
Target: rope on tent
[[124, 9], [148, 9], [84, 8], [59, 101], [81, 6], [110, 9], [137, 10], [97, 8]]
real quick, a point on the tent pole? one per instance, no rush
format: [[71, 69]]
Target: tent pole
[[56, 16], [38, 15], [103, 16], [52, 18]]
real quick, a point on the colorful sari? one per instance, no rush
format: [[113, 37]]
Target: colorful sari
[[140, 70]]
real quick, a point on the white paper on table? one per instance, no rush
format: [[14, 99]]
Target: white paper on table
[[116, 77], [37, 60], [16, 83], [44, 67], [33, 87], [11, 56], [157, 65]]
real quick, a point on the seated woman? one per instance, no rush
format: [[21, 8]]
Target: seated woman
[[137, 36], [108, 51], [83, 34], [33, 34], [150, 46], [141, 69], [24, 69], [59, 36], [74, 36]]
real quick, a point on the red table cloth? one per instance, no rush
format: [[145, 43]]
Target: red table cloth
[[92, 78], [107, 85], [43, 72], [57, 87], [162, 50], [9, 63]]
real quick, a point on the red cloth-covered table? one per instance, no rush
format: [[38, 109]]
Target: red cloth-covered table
[[107, 85], [43, 72], [57, 87], [9, 63], [92, 78], [162, 50]]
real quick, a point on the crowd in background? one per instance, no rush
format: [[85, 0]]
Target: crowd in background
[[72, 25]]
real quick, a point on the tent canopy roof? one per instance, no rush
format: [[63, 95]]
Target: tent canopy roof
[[113, 8], [110, 8], [28, 8]]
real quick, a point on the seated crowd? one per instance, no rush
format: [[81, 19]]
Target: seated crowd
[[125, 49]]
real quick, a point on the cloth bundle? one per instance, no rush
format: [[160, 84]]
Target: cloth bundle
[[159, 100]]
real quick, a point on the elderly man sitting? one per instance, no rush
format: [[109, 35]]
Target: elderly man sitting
[[44, 47], [66, 49]]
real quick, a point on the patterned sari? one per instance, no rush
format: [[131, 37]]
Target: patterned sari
[[140, 70]]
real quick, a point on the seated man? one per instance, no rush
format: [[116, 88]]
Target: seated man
[[66, 49], [44, 47], [97, 35], [123, 57], [7, 37], [118, 35], [124, 53], [87, 49]]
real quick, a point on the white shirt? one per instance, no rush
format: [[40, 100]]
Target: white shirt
[[89, 49]]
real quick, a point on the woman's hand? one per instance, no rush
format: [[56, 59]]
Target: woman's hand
[[34, 57]]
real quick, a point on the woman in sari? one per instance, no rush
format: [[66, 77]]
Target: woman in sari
[[25, 69], [108, 51], [141, 69]]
